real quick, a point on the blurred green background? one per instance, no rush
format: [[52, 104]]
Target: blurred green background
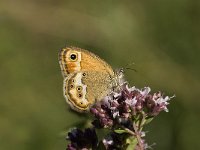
[[162, 38]]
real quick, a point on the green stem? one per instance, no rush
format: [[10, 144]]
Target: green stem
[[142, 122], [137, 135], [130, 132]]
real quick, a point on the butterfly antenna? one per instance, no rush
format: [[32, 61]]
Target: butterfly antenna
[[131, 69], [128, 66]]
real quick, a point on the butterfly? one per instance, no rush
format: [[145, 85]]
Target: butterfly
[[87, 78]]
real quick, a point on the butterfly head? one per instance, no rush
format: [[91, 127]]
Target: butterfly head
[[118, 79]]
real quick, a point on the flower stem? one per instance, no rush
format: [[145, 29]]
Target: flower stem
[[138, 136], [142, 122], [130, 132]]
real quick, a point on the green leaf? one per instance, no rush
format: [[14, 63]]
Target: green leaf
[[101, 146], [131, 142], [101, 133], [148, 120], [120, 131]]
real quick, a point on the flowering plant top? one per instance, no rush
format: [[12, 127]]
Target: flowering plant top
[[124, 113]]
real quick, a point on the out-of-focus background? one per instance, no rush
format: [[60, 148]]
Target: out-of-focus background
[[162, 38]]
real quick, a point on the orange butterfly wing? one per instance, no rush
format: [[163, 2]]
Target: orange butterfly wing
[[84, 61]]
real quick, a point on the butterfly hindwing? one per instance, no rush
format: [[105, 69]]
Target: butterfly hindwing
[[83, 89]]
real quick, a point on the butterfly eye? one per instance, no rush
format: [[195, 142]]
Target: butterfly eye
[[73, 56]]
